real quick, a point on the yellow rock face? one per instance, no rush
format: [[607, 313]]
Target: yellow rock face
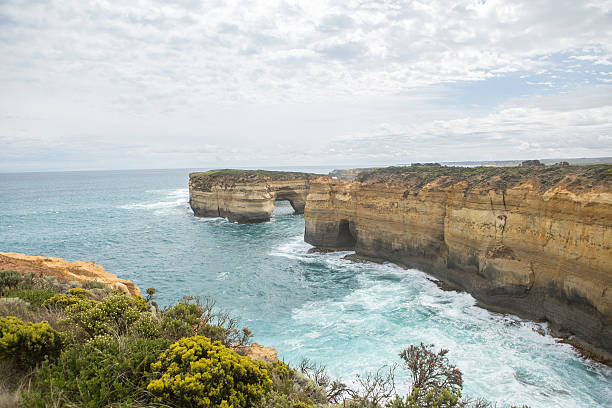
[[544, 254], [257, 352], [81, 271], [246, 199]]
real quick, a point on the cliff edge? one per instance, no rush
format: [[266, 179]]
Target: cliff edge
[[62, 269], [246, 196], [535, 241]]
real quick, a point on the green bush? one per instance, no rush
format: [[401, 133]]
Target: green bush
[[292, 389], [436, 382], [28, 343], [113, 315], [430, 398], [79, 292], [35, 297], [147, 326], [62, 301], [191, 317], [194, 372], [93, 284], [9, 280], [106, 370], [182, 320], [281, 400]]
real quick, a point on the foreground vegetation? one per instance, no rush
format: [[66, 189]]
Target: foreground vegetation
[[72, 345]]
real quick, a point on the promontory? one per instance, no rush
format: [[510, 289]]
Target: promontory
[[246, 196], [535, 241]]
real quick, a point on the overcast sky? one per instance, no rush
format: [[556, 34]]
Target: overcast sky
[[187, 83]]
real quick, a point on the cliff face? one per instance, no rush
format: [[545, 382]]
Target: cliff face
[[62, 269], [537, 242], [246, 196]]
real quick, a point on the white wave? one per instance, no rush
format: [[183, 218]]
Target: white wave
[[217, 220], [173, 198], [295, 248], [173, 192], [154, 206], [503, 357]]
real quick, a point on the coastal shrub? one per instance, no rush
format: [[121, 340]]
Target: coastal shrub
[[435, 382], [292, 388], [281, 400], [146, 326], [12, 306], [430, 369], [430, 398], [35, 297], [26, 342], [105, 371], [79, 292], [9, 280], [93, 284], [75, 284], [61, 300], [183, 319], [139, 303], [318, 385], [191, 317], [194, 372], [112, 315]]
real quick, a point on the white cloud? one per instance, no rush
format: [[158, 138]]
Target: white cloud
[[572, 125], [253, 73]]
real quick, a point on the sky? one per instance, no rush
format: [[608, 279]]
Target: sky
[[203, 84]]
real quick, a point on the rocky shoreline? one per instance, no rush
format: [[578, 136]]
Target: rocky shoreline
[[536, 242], [532, 242]]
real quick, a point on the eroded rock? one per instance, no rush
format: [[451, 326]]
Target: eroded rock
[[81, 271], [246, 196], [533, 241]]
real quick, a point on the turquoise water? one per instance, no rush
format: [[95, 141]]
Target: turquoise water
[[351, 317]]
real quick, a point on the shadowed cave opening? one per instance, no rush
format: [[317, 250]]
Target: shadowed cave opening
[[346, 239]]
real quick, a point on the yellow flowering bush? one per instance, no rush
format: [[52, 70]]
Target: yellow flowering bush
[[113, 315], [194, 372], [28, 343], [61, 300]]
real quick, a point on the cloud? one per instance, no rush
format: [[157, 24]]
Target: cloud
[[572, 125], [198, 71]]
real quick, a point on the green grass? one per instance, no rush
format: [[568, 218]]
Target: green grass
[[203, 181], [576, 177]]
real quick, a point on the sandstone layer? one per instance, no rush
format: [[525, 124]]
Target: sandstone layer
[[81, 271], [246, 196], [258, 352], [531, 241]]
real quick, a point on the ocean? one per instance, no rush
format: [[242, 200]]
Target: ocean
[[350, 317]]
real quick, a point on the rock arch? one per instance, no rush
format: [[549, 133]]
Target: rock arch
[[246, 196]]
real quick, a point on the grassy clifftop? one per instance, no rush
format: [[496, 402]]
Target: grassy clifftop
[[573, 178], [228, 177]]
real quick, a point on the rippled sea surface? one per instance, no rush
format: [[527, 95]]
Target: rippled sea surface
[[351, 317]]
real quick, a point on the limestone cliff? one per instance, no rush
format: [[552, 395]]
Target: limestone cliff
[[246, 196], [532, 241], [81, 271]]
